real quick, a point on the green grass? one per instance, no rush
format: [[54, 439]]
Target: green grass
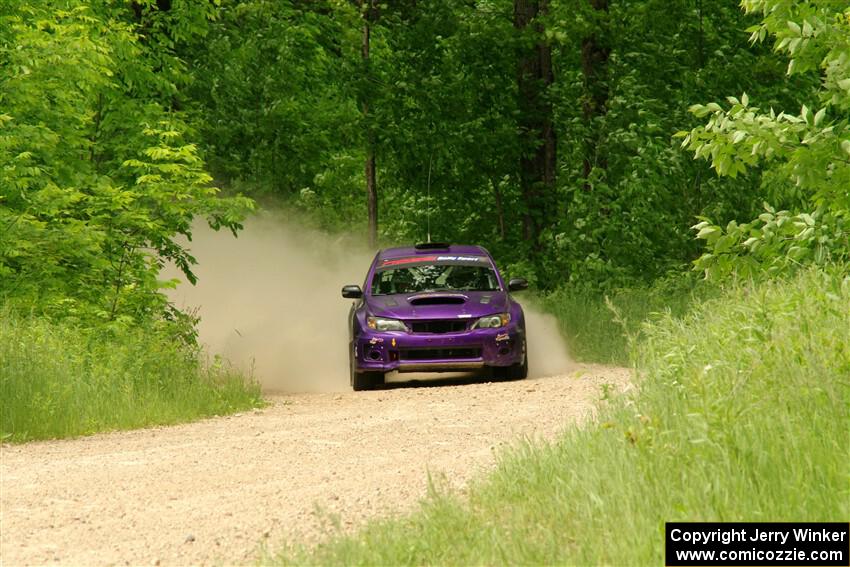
[[60, 381], [742, 414], [597, 327]]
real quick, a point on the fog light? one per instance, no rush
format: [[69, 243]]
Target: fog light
[[375, 355]]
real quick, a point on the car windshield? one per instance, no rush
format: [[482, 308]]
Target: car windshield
[[434, 277]]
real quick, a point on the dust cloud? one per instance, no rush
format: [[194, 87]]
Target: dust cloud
[[547, 351], [269, 301]]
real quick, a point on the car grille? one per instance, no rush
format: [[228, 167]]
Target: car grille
[[440, 353], [438, 326]]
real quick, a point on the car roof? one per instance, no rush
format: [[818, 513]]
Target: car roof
[[405, 251]]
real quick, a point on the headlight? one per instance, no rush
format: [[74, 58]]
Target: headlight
[[492, 321], [381, 324]]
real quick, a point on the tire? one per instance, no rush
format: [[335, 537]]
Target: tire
[[520, 371], [513, 372], [361, 381]]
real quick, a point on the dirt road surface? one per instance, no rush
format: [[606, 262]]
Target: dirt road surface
[[215, 491]]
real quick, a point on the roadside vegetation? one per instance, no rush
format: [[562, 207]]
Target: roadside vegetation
[[603, 328], [99, 185], [741, 414], [59, 380]]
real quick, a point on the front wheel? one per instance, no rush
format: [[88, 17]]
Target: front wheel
[[520, 371], [366, 380], [513, 372], [363, 380]]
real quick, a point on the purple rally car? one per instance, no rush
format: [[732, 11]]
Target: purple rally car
[[434, 308]]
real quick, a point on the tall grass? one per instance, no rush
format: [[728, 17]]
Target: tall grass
[[742, 414], [597, 326], [58, 381]]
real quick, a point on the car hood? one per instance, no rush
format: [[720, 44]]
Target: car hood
[[438, 305]]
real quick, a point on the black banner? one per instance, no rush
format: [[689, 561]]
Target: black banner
[[691, 544]]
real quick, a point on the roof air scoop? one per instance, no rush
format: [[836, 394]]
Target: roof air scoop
[[428, 246]]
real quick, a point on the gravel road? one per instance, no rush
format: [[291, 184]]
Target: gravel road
[[215, 491]]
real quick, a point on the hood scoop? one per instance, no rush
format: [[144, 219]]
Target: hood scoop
[[437, 300]]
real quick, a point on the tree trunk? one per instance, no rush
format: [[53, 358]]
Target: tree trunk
[[369, 16], [594, 63], [700, 64], [500, 209], [371, 193], [537, 162]]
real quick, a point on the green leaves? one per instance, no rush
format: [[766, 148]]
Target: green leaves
[[806, 153], [775, 242], [91, 197], [110, 112]]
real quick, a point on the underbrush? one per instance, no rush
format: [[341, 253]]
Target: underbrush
[[597, 326], [57, 380], [741, 415]]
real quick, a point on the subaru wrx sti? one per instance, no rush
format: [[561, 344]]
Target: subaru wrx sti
[[435, 308]]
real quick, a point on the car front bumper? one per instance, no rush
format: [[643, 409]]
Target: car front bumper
[[409, 352]]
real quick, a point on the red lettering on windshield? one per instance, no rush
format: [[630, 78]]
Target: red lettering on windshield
[[411, 260]]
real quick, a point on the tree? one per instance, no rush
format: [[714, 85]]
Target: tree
[[534, 76], [370, 15], [594, 65], [512, 110], [806, 154], [96, 178]]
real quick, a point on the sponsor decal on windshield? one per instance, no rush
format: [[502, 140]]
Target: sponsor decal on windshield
[[397, 261], [461, 258], [418, 259]]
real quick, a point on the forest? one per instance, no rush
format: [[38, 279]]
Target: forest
[[597, 144], [672, 178]]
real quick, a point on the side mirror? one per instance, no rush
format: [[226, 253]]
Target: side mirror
[[352, 291], [517, 284]]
